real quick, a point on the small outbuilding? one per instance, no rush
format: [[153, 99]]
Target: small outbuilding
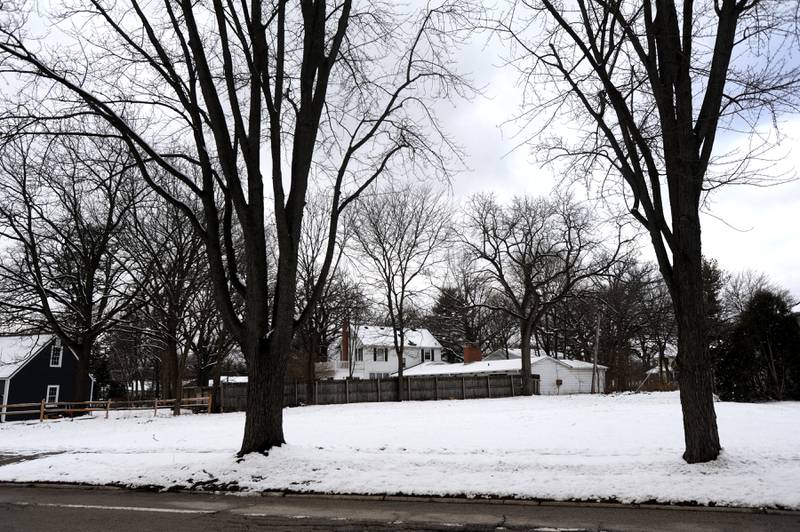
[[35, 368], [556, 376]]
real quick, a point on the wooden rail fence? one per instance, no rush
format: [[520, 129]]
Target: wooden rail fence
[[44, 410]]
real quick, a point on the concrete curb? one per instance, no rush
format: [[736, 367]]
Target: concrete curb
[[455, 499]]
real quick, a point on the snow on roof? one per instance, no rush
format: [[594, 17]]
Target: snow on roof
[[16, 350], [374, 335], [489, 366], [230, 379], [578, 364]]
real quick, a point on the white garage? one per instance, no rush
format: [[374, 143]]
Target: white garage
[[557, 376]]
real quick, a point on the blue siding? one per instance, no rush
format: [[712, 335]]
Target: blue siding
[[29, 385]]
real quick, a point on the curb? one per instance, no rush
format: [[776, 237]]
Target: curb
[[454, 499]]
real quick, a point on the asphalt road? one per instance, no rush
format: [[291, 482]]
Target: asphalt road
[[24, 508]]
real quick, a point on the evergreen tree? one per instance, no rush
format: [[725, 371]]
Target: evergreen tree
[[760, 358]]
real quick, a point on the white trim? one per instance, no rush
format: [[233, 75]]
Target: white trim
[[39, 352], [56, 345], [6, 388], [48, 402]]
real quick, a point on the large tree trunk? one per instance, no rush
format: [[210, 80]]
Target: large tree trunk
[[266, 372], [694, 362], [525, 348]]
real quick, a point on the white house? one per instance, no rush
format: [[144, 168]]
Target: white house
[[556, 376], [368, 352]]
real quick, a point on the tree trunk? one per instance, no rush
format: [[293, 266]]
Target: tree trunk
[[169, 358], [216, 386], [178, 387], [266, 371], [400, 378], [694, 362], [525, 347], [83, 352], [312, 352]]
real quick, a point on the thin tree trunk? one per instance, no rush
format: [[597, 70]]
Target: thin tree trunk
[[82, 376], [400, 378], [525, 348], [216, 386], [310, 373], [178, 384]]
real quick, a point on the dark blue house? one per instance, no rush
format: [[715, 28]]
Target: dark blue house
[[37, 367]]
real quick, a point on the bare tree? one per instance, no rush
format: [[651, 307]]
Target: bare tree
[[171, 253], [463, 311], [66, 202], [334, 91], [740, 288], [533, 253], [651, 84], [400, 234]]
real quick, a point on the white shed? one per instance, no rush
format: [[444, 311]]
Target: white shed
[[561, 376], [557, 376]]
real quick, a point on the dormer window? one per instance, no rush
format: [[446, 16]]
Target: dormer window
[[56, 353]]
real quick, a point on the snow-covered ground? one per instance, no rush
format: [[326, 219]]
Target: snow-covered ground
[[623, 447]]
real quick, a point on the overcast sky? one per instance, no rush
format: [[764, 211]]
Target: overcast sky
[[749, 227]]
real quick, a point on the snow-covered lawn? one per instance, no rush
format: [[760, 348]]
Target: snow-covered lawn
[[624, 447]]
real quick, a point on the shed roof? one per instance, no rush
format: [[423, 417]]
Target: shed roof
[[15, 351], [491, 366]]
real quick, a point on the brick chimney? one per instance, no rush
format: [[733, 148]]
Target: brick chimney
[[472, 353], [345, 341]]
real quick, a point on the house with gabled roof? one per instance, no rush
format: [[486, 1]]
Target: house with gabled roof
[[35, 368], [368, 351]]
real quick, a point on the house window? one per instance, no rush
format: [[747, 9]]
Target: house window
[[360, 354], [55, 354], [427, 354], [380, 354], [52, 394]]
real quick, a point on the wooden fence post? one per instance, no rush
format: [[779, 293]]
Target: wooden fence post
[[221, 399], [316, 394], [296, 396], [435, 388], [408, 388], [488, 388], [155, 407], [347, 391], [379, 389], [108, 407], [463, 389], [41, 411], [210, 402], [511, 379]]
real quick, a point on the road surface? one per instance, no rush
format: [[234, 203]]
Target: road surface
[[24, 508]]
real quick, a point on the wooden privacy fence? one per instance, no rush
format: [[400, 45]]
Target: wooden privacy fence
[[234, 395], [43, 409]]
